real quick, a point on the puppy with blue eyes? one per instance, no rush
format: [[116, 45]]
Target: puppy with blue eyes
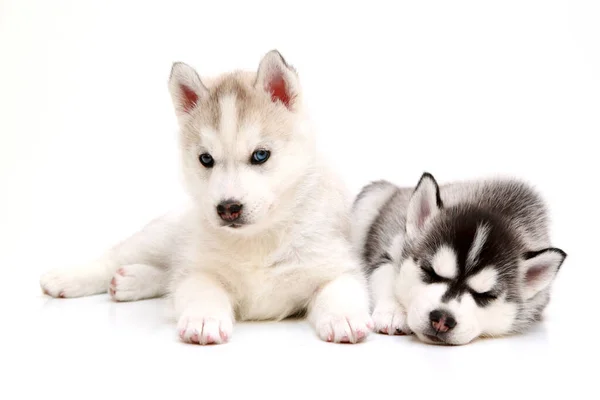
[[266, 233], [455, 262]]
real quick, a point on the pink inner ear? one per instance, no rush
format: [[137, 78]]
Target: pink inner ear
[[189, 98], [533, 274], [278, 89], [423, 213]]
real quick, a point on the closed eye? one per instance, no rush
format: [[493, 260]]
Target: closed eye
[[429, 274], [485, 298]]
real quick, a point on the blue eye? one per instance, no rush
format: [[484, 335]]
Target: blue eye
[[206, 160], [260, 156]]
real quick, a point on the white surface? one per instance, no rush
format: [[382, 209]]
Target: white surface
[[461, 89]]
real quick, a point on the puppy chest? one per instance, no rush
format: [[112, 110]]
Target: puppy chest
[[271, 294]]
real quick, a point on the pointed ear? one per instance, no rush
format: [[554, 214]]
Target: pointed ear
[[278, 79], [424, 204], [186, 89], [539, 268]]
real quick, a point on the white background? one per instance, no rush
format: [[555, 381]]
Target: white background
[[461, 89]]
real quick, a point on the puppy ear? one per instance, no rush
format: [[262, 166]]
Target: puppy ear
[[424, 204], [278, 79], [539, 268], [186, 89]]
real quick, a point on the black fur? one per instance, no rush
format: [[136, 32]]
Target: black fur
[[438, 196], [530, 254], [516, 224], [456, 227]]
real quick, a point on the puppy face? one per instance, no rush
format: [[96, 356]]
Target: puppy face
[[463, 282], [245, 145], [463, 273]]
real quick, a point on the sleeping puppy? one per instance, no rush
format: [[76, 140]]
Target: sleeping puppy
[[456, 262]]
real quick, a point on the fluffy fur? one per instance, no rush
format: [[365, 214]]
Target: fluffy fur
[[456, 262], [287, 252]]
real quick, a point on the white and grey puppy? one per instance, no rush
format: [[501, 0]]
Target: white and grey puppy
[[266, 234], [457, 262]]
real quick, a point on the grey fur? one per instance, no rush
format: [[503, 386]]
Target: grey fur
[[515, 213]]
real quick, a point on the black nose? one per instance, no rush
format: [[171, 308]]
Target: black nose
[[442, 321], [229, 210]]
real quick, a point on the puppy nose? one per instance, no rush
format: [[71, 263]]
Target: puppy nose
[[442, 321], [229, 210]]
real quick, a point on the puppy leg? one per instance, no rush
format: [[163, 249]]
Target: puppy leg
[[138, 281], [80, 281], [339, 311], [388, 315], [204, 308], [151, 246]]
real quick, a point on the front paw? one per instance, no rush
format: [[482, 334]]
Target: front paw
[[344, 329], [204, 329], [390, 321]]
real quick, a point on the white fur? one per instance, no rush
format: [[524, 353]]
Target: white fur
[[204, 308], [419, 299], [484, 281], [184, 77], [421, 208], [478, 243], [388, 315], [408, 287], [366, 211], [228, 121], [464, 310], [444, 262], [410, 293], [422, 299], [496, 318], [292, 254], [77, 281], [138, 281], [547, 263], [329, 310], [396, 247]]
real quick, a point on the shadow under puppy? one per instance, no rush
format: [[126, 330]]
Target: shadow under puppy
[[457, 262]]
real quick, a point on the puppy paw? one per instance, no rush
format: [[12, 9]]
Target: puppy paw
[[344, 329], [72, 282], [137, 282], [204, 330], [390, 321]]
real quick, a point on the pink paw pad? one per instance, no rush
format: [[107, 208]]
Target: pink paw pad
[[61, 295], [224, 335], [383, 330], [360, 335]]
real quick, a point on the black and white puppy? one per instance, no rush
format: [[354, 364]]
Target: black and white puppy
[[457, 262]]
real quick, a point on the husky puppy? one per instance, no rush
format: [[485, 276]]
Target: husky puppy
[[266, 234], [455, 262]]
